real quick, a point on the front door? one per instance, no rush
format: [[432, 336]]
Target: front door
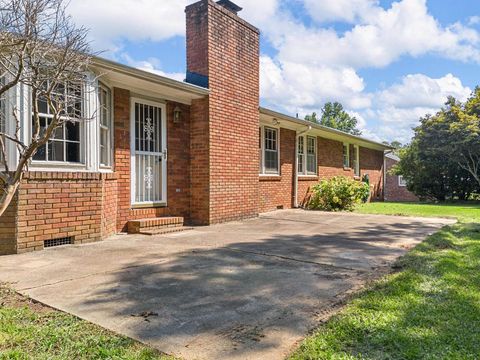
[[148, 153]]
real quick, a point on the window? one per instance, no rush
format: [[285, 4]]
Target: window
[[311, 155], [346, 155], [65, 142], [307, 155], [401, 181], [356, 160], [301, 155], [269, 151], [105, 115]]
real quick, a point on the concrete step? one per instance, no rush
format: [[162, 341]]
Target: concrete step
[[142, 225], [163, 231]]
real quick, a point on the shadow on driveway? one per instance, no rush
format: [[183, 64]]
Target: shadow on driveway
[[245, 290]]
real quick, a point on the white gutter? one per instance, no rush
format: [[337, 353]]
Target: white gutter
[[148, 76], [295, 185]]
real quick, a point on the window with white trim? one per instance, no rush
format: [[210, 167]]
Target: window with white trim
[[301, 155], [65, 144], [356, 160], [401, 181], [346, 155], [105, 125], [307, 155], [269, 151]]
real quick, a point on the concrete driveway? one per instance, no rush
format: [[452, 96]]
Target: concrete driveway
[[245, 290]]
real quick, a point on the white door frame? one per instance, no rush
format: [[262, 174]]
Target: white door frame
[[163, 121]]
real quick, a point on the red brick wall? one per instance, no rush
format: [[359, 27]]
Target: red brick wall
[[8, 229], [393, 191], [121, 113], [200, 163], [278, 192], [109, 207], [178, 163], [225, 48], [55, 205]]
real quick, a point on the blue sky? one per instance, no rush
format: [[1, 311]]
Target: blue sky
[[388, 62]]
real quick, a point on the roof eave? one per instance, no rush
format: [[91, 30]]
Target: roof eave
[[373, 144], [148, 76]]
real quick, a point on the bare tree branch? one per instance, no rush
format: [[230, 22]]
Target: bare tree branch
[[42, 51]]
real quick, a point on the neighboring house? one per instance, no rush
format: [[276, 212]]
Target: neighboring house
[[395, 185], [201, 150]]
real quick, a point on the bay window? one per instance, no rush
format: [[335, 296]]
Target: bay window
[[307, 155], [65, 144], [105, 128], [269, 151]]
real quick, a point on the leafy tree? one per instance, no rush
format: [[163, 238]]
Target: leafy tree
[[443, 160], [312, 118], [394, 144], [334, 116], [41, 49], [464, 134]]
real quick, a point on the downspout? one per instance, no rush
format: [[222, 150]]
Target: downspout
[[295, 182]]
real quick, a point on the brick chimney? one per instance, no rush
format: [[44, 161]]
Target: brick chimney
[[223, 55]]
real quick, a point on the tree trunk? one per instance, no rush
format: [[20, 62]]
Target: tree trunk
[[8, 194]]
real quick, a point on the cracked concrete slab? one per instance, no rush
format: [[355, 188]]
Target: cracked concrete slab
[[243, 290]]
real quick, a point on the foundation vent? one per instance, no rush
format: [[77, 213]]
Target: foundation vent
[[58, 242]]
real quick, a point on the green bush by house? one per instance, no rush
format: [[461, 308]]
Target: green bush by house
[[338, 193]]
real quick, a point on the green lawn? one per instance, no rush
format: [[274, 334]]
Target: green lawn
[[30, 330], [428, 309], [467, 212]]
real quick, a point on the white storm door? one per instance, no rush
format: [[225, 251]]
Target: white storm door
[[148, 153]]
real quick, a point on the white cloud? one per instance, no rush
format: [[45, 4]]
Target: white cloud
[[380, 39], [419, 90], [297, 87], [258, 13], [474, 20], [340, 10], [398, 108], [111, 21]]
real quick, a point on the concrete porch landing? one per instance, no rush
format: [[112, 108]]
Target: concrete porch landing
[[244, 290]]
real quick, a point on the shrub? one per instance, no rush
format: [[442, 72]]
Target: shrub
[[338, 193]]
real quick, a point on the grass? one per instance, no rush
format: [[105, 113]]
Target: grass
[[466, 212], [428, 309], [29, 330]]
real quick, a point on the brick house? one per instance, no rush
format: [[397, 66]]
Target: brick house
[[395, 185], [164, 152]]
